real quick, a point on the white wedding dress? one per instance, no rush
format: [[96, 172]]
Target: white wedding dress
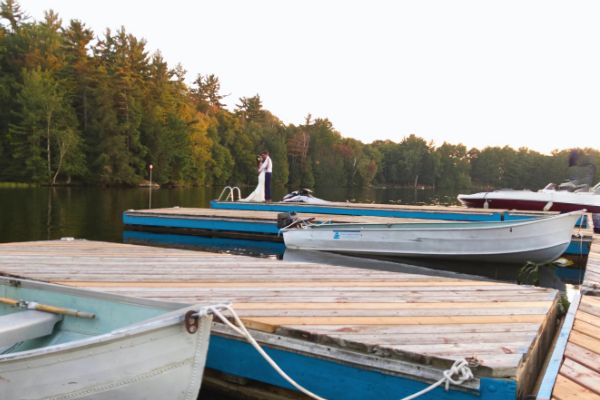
[[259, 193]]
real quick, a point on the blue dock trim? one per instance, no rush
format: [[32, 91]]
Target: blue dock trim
[[334, 380], [269, 228], [545, 392], [371, 212], [579, 246]]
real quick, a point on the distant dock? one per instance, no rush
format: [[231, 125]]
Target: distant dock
[[230, 223], [342, 332], [384, 210]]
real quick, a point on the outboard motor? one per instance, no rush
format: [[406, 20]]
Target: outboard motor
[[285, 219]]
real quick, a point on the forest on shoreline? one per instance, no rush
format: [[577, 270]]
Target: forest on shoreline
[[77, 107]]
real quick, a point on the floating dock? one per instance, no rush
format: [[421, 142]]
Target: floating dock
[[384, 210], [230, 223], [342, 332], [574, 368], [450, 213], [248, 224]]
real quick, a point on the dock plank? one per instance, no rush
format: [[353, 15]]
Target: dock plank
[[584, 376], [566, 389], [591, 280], [579, 374], [583, 356]]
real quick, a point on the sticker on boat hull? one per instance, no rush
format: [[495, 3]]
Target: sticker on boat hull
[[341, 235]]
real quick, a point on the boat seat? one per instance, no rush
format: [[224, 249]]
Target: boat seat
[[25, 325]]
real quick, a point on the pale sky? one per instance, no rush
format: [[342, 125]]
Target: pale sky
[[518, 73]]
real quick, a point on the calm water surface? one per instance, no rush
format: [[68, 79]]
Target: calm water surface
[[43, 213]]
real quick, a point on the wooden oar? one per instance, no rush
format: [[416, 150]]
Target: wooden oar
[[31, 305]]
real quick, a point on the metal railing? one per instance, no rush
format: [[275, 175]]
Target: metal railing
[[231, 191]]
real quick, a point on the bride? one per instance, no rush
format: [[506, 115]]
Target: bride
[[259, 193]]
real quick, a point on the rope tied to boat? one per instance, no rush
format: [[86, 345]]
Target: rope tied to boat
[[457, 374], [460, 368]]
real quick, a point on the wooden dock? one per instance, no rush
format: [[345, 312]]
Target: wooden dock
[[574, 370], [249, 224], [591, 282], [451, 213], [342, 332]]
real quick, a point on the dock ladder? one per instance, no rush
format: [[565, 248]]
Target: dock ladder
[[231, 191]]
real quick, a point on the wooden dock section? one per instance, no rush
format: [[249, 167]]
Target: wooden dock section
[[250, 224], [591, 282], [231, 223], [342, 332], [574, 370], [451, 213]]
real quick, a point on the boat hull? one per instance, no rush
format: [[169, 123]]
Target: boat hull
[[538, 241], [152, 360], [546, 200]]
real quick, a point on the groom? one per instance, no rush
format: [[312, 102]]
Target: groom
[[267, 166]]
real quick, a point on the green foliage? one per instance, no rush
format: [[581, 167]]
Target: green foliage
[[102, 111], [529, 274]]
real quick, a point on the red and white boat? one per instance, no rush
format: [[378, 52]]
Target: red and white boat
[[549, 198]]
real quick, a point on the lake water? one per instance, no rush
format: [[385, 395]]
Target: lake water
[[42, 213]]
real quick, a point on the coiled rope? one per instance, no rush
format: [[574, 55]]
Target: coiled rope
[[457, 374]]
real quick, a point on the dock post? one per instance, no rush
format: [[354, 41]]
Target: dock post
[[150, 188]]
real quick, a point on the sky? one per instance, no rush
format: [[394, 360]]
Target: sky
[[482, 73]]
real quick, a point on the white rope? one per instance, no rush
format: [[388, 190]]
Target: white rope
[[460, 368], [241, 330]]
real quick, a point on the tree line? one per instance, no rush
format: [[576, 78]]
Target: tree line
[[76, 107]]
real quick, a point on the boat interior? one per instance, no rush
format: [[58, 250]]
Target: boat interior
[[23, 328], [574, 186]]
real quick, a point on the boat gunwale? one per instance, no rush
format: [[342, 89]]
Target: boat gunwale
[[428, 226], [169, 318]]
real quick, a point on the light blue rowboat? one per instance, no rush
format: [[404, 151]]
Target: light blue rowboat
[[94, 345]]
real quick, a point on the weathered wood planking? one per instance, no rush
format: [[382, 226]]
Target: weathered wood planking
[[579, 374], [404, 316], [266, 216], [591, 281], [425, 208]]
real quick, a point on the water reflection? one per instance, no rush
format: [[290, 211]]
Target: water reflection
[[256, 248]]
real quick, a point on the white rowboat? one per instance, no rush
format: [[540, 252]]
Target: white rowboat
[[536, 240], [119, 348]]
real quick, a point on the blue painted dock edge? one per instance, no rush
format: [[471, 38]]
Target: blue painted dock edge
[[579, 247], [334, 380], [449, 216], [440, 215], [545, 392], [269, 228]]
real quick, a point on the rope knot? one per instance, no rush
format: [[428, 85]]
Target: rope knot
[[463, 373]]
